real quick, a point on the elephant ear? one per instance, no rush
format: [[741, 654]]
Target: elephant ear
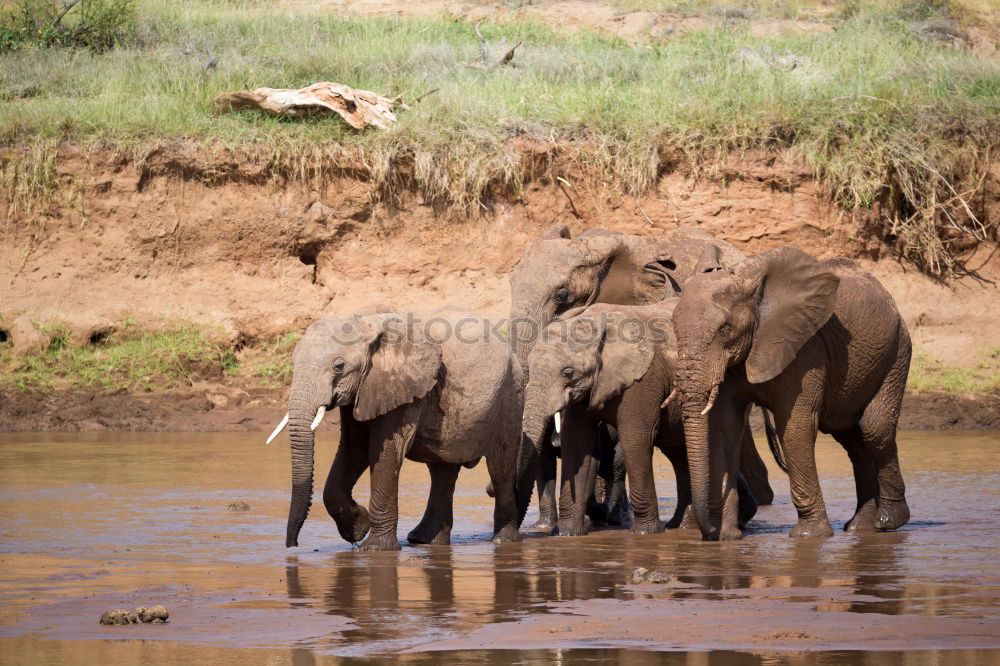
[[709, 261], [557, 230], [402, 369], [625, 357], [796, 296], [636, 270]]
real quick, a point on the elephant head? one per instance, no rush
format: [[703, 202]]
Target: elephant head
[[367, 364], [754, 318], [558, 273], [590, 357]]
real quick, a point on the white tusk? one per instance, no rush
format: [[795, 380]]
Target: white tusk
[[319, 418], [711, 400], [558, 423], [277, 431], [670, 398]]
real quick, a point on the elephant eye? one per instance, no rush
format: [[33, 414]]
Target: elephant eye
[[726, 329], [562, 295], [567, 372], [338, 365]]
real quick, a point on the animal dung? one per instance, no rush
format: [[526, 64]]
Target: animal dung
[[154, 614], [643, 575], [118, 616]]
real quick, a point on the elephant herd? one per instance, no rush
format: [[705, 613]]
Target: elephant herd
[[615, 344]]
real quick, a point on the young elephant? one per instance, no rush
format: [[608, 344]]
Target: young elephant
[[615, 364], [821, 345], [435, 390]]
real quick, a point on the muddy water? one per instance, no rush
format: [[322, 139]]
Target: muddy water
[[92, 522]]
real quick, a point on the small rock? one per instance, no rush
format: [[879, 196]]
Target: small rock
[[118, 616], [154, 614], [560, 630], [639, 575], [658, 578], [238, 505]]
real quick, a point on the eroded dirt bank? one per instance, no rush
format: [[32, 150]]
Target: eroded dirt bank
[[236, 242]]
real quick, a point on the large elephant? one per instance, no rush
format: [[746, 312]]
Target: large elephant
[[615, 364], [821, 345], [558, 273], [439, 390]]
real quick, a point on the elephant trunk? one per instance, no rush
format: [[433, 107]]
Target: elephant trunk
[[527, 463], [525, 323], [698, 388], [302, 408]]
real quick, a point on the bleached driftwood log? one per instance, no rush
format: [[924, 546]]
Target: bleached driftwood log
[[358, 108]]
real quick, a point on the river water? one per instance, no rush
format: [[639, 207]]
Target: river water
[[90, 522]]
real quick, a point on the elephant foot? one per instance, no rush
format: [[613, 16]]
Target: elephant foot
[[807, 529], [571, 528], [598, 514], [424, 535], [683, 519], [647, 527], [507, 534], [730, 533], [355, 529], [748, 509], [621, 515], [892, 514], [864, 518], [381, 542]]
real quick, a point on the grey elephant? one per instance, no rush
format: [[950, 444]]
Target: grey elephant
[[558, 273], [616, 364], [438, 389], [820, 344]]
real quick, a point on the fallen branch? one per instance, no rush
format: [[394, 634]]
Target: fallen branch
[[560, 182], [482, 41], [358, 108]]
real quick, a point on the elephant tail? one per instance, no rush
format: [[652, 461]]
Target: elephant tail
[[772, 440]]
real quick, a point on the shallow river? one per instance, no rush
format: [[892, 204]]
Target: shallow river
[[90, 522]]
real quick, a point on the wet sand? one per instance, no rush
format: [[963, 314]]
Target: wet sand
[[90, 522]]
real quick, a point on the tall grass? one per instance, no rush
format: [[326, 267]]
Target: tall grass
[[882, 114]]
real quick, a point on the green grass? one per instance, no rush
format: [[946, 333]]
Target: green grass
[[882, 114], [928, 373], [161, 358], [127, 360]]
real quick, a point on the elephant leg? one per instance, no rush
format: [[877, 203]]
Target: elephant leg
[[727, 422], [391, 438], [797, 431], [502, 467], [865, 480], [620, 509], [435, 527], [748, 504], [547, 507], [348, 465], [636, 434], [754, 470], [598, 507], [878, 427], [683, 515], [579, 469]]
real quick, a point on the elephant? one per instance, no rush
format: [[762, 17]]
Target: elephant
[[438, 389], [558, 273], [616, 364], [822, 346]]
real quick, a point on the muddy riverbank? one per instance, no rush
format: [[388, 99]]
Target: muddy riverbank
[[99, 520]]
